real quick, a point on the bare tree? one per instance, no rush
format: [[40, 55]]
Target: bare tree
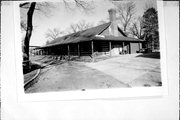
[[33, 6], [41, 8], [126, 12], [85, 5], [53, 34], [29, 28], [136, 29], [73, 28], [81, 25]]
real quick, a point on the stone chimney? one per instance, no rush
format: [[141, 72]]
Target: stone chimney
[[113, 27]]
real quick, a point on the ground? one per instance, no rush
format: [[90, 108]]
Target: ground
[[124, 71]]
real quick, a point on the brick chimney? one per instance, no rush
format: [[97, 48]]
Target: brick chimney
[[113, 27]]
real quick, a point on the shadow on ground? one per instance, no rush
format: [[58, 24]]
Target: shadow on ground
[[33, 67], [155, 55]]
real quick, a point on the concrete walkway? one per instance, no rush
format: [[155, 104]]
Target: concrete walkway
[[131, 70]]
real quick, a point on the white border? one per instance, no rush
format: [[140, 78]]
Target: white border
[[126, 93]]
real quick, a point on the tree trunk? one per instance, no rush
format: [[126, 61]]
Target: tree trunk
[[28, 33]]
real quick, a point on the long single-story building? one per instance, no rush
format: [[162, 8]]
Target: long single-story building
[[107, 38]]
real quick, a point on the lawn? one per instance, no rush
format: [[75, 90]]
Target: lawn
[[123, 71]]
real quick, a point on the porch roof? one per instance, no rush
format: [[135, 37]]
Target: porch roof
[[118, 38]]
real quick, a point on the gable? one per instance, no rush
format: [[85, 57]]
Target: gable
[[107, 32]]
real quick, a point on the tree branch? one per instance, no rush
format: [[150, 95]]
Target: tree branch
[[29, 7], [23, 4]]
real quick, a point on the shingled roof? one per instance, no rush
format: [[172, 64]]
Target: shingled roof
[[88, 35], [118, 38]]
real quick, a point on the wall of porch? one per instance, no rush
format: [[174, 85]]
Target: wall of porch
[[90, 48]]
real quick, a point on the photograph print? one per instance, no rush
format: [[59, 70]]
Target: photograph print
[[75, 45]]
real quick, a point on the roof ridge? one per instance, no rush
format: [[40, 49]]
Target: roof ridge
[[88, 29]]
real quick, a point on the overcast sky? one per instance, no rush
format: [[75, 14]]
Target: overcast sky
[[60, 17]]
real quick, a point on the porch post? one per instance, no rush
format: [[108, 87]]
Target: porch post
[[129, 47], [139, 46], [123, 48], [50, 51], [78, 51], [68, 52], [110, 49], [44, 52], [92, 49]]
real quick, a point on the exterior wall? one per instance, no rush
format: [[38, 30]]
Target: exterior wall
[[85, 48], [135, 47], [116, 48], [103, 47], [121, 47], [57, 50], [73, 49]]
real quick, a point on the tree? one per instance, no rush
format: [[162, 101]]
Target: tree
[[126, 12], [29, 29], [136, 28], [31, 7], [53, 34], [23, 25], [81, 25], [150, 28]]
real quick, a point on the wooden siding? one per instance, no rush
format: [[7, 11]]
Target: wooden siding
[[134, 48], [101, 46], [85, 48]]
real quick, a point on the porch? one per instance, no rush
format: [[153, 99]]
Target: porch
[[90, 48]]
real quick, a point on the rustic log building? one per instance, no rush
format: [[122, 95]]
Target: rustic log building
[[107, 38]]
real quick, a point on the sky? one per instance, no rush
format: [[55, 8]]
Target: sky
[[61, 17]]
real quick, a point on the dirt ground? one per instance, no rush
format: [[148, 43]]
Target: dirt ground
[[117, 72]]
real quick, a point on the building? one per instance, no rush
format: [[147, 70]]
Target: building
[[31, 49], [106, 39]]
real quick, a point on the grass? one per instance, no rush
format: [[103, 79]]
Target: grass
[[155, 55], [29, 75]]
